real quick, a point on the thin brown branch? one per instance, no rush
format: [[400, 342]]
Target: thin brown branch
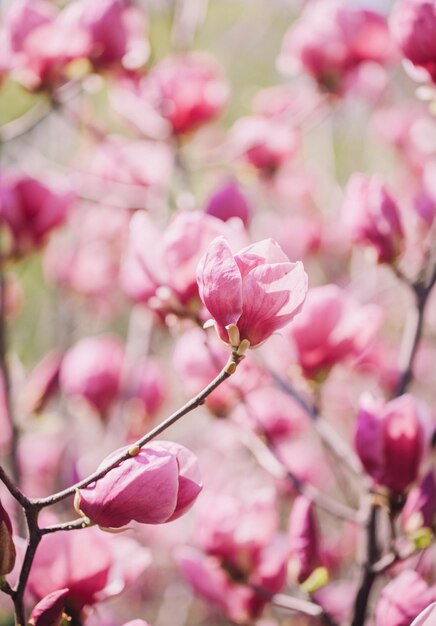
[[77, 524], [31, 119], [32, 545], [264, 453], [413, 333], [368, 574], [326, 432], [195, 402], [26, 123]]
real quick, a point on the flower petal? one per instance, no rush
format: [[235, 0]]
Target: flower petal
[[220, 283]]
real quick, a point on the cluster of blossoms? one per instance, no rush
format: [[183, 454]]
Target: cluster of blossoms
[[169, 229]]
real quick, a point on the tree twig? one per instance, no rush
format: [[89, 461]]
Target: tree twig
[[195, 402], [32, 507], [77, 524], [328, 435], [368, 574], [412, 336], [264, 453]]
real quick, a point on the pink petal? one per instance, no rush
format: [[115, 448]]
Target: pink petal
[[220, 283], [272, 295], [143, 488]]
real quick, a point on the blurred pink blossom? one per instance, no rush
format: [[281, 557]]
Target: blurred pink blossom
[[49, 610], [241, 552], [177, 96], [392, 439], [329, 41], [270, 412], [43, 42], [162, 265], [110, 563], [116, 31], [420, 507], [145, 385], [30, 209], [92, 369], [372, 217], [41, 458], [413, 27], [303, 539], [228, 201], [331, 329], [265, 143], [402, 600]]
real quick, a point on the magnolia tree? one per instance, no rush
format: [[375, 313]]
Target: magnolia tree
[[223, 208]]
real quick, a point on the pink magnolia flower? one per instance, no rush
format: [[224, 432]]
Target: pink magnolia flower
[[7, 547], [372, 217], [413, 27], [116, 31], [157, 485], [402, 600], [251, 294], [329, 41], [30, 209], [228, 201], [420, 507], [265, 143], [187, 90], [92, 369], [303, 539], [43, 42], [391, 439], [332, 328], [427, 617], [137, 622], [49, 610]]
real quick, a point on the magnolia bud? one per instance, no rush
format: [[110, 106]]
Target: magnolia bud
[[7, 547], [303, 540], [156, 485], [391, 440]]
